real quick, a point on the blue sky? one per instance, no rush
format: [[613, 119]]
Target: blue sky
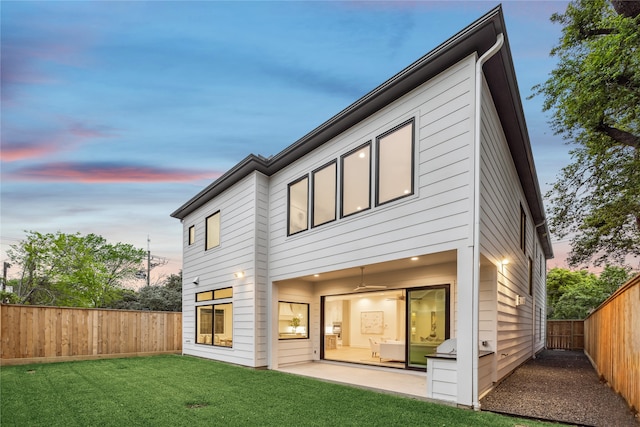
[[116, 113]]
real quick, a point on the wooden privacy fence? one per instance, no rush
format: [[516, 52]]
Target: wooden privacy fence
[[613, 341], [565, 334], [33, 334]]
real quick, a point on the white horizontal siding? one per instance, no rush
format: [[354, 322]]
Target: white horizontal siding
[[501, 197], [216, 267], [261, 270], [436, 218]]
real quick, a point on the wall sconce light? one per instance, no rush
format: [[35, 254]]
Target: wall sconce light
[[239, 275], [504, 262], [196, 281], [520, 300]]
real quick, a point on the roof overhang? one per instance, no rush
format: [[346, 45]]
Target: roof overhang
[[499, 72]]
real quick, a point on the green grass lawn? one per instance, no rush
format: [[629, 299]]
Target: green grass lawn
[[187, 391]]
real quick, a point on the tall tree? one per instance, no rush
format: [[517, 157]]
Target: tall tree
[[594, 96], [573, 294], [72, 269]]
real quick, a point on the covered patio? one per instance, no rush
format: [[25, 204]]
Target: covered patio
[[407, 383]]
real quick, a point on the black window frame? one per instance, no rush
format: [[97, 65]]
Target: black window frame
[[411, 122], [206, 231], [523, 229], [191, 233], [342, 158], [308, 334], [333, 162], [291, 184]]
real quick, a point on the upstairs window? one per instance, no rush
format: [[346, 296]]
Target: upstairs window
[[530, 276], [356, 180], [298, 195], [213, 231], [324, 194], [523, 230], [394, 163], [192, 235]]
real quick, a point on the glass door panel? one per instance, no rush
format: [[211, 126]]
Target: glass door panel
[[428, 322]]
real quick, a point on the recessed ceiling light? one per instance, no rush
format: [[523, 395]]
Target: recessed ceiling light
[[415, 258], [316, 275]]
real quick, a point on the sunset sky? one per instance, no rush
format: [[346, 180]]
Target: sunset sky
[[116, 113]]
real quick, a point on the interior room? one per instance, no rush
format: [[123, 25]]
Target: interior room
[[384, 328]]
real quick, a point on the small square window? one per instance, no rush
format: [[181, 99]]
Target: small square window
[[293, 320]]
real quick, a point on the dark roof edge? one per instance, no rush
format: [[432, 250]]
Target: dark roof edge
[[477, 37], [382, 95], [523, 159], [246, 166]]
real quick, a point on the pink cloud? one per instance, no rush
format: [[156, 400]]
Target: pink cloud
[[13, 152], [44, 143], [108, 173]]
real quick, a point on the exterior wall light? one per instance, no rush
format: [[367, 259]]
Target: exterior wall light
[[239, 275]]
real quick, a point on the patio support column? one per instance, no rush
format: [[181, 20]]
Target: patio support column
[[465, 327]]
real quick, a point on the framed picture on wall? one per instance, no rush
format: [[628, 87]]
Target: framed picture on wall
[[372, 322]]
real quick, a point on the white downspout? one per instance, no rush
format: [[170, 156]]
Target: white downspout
[[475, 283]]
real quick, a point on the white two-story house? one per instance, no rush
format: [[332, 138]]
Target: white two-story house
[[412, 217]]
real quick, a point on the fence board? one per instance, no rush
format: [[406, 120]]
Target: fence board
[[36, 333], [565, 334], [612, 341]]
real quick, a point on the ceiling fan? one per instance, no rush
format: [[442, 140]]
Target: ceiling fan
[[362, 286]]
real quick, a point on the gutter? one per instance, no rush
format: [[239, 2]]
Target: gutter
[[475, 282]]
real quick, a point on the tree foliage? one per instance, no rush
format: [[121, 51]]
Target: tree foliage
[[594, 96], [573, 294], [164, 297], [72, 269]]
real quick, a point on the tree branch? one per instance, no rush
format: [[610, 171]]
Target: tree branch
[[621, 136]]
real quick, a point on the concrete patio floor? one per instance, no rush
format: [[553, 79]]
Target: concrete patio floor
[[394, 381]]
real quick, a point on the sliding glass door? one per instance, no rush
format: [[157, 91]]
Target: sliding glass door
[[428, 322]]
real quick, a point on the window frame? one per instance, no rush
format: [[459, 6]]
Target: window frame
[[206, 227], [291, 184], [379, 138], [530, 275], [342, 181], [213, 293], [302, 337], [333, 163], [523, 229], [191, 235], [214, 331]]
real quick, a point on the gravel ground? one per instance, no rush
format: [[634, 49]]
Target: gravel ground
[[560, 386]]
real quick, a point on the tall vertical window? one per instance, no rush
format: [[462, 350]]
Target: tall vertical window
[[394, 163], [324, 194], [356, 180], [530, 276], [523, 230], [298, 205], [213, 231], [192, 235]]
